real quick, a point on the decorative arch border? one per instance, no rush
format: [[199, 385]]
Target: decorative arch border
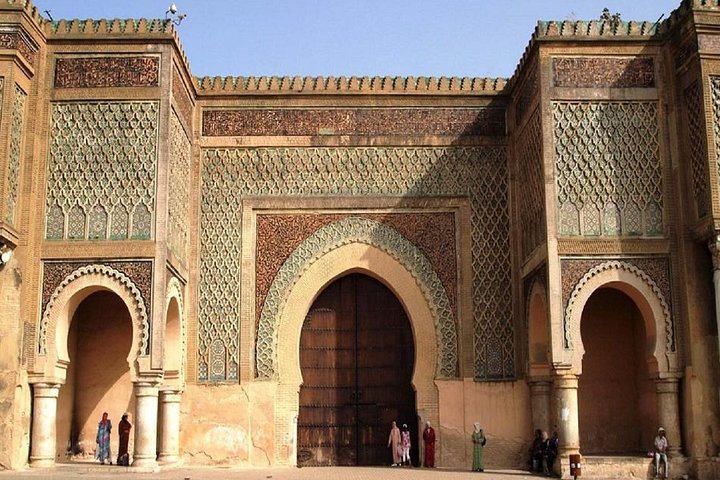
[[93, 278], [175, 291], [344, 232], [641, 287]]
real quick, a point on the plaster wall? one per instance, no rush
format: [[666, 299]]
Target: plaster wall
[[503, 410], [228, 424], [15, 394]]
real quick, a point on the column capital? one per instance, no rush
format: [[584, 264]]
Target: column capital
[[46, 390], [714, 247], [566, 380]]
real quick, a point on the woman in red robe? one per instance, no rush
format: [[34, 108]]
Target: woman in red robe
[[429, 440]]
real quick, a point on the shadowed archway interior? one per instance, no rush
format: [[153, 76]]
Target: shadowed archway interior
[[617, 399], [357, 357]]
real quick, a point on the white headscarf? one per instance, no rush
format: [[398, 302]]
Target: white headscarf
[[477, 426]]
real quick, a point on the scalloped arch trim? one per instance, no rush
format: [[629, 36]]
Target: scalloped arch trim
[[138, 311], [641, 276], [331, 237]]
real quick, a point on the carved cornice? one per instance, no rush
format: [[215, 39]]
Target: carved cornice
[[411, 85]]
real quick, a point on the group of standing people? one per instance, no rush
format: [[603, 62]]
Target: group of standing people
[[399, 442], [102, 452]]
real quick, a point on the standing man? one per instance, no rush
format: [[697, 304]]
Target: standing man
[[429, 440], [661, 445], [394, 442], [124, 433]]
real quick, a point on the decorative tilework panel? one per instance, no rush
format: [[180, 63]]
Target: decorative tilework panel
[[600, 72], [608, 169], [698, 152], [715, 89], [531, 197], [14, 154], [179, 191], [116, 71], [479, 173], [356, 121], [279, 235], [103, 156]]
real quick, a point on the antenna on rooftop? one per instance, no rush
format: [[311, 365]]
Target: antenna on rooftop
[[172, 15], [47, 12]]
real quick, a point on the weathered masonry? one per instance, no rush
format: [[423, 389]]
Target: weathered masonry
[[268, 271]]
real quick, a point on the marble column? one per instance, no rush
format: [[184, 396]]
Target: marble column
[[146, 410], [669, 412], [44, 414], [566, 413], [540, 404], [714, 246], [169, 448]]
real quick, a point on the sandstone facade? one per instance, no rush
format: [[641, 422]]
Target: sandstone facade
[[553, 239]]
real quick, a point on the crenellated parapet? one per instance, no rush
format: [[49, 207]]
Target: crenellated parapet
[[412, 85]]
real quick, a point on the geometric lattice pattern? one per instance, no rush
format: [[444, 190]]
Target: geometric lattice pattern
[[102, 171], [608, 169], [698, 155], [228, 174], [715, 87], [531, 197], [178, 195], [13, 166]]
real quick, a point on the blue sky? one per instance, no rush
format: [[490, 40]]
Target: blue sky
[[474, 38]]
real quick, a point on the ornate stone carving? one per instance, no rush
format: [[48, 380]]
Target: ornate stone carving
[[179, 191], [531, 197], [278, 235], [698, 153], [414, 85], [143, 313], [181, 99], [350, 230], [102, 171], [13, 37], [14, 154], [479, 173], [608, 169], [715, 89], [576, 273], [99, 72], [356, 121], [527, 94], [602, 72]]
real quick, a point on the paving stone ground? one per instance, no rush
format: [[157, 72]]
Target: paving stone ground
[[108, 472]]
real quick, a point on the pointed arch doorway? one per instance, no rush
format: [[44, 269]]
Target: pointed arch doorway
[[357, 357]]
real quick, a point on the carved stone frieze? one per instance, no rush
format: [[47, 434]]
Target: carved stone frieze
[[14, 37], [108, 71], [603, 72], [698, 151], [357, 121]]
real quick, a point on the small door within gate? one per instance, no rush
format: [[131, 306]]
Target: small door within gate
[[357, 357]]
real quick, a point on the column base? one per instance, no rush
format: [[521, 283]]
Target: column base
[[145, 463], [168, 458], [42, 462]]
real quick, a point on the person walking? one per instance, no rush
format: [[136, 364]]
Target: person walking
[[405, 446], [394, 443], [102, 439]]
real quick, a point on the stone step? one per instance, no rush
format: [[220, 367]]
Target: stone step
[[611, 466]]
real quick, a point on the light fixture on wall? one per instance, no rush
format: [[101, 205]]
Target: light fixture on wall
[[172, 15], [6, 254]]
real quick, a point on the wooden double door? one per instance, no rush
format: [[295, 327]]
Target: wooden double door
[[357, 358]]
